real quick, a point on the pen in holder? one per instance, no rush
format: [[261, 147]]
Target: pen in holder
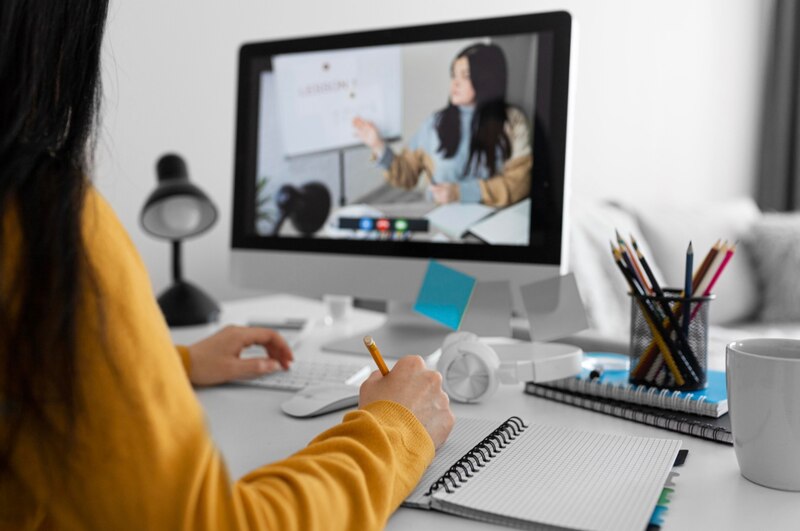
[[664, 351]]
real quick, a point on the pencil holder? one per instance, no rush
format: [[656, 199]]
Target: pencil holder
[[669, 340]]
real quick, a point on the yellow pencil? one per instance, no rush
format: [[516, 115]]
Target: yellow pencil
[[657, 334], [673, 367], [376, 354]]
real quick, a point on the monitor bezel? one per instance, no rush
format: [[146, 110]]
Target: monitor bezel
[[547, 193]]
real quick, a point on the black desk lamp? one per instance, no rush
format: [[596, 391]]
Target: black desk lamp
[[177, 210]]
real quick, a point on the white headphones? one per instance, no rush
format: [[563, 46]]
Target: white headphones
[[471, 369]]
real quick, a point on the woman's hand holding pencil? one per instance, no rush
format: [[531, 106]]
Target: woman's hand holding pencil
[[411, 385]]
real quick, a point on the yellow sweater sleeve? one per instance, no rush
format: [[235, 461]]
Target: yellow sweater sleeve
[[186, 361], [347, 478], [407, 166], [142, 457], [513, 184]]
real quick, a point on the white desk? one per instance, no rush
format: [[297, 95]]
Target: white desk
[[250, 430]]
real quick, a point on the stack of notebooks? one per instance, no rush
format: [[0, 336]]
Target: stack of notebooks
[[698, 413]]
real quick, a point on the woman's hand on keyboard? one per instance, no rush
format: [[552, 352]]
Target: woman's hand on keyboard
[[216, 360], [411, 385]]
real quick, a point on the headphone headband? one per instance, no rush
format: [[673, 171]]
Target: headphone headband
[[471, 368]]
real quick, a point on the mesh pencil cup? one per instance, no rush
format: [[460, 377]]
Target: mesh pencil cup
[[665, 351]]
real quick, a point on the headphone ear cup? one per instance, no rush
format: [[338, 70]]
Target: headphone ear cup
[[468, 368]]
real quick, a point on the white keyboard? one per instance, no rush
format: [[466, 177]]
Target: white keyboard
[[303, 373]]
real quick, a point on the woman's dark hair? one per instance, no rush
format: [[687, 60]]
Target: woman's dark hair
[[49, 103], [488, 73]]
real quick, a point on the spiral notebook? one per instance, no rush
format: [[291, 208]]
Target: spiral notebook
[[535, 476], [713, 429], [711, 401]]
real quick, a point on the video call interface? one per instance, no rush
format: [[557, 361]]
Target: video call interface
[[415, 142]]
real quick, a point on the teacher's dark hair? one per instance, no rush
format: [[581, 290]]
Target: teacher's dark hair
[[488, 74], [49, 103]]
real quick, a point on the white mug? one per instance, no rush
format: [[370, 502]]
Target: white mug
[[337, 308], [764, 401]]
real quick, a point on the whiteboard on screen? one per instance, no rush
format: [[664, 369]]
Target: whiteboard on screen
[[319, 94]]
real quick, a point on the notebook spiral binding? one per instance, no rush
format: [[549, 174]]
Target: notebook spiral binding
[[478, 456], [643, 394], [698, 427]]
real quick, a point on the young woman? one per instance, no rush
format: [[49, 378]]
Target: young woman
[[477, 149], [99, 426]]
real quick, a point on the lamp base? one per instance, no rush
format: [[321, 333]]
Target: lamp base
[[184, 304]]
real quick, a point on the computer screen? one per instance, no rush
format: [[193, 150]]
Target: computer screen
[[361, 156]]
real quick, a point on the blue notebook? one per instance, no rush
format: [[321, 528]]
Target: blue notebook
[[613, 384]]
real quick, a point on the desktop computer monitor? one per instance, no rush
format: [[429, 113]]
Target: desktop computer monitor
[[362, 156]]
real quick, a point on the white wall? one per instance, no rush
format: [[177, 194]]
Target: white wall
[[667, 97]]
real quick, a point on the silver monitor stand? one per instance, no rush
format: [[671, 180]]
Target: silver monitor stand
[[407, 332], [404, 332]]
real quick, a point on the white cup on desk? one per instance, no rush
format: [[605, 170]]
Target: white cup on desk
[[338, 308], [764, 400]]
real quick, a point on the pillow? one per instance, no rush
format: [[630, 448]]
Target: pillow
[[603, 289], [669, 228], [774, 245]]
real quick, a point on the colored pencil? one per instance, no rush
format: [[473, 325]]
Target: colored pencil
[[723, 264], [687, 289], [702, 287], [627, 252], [659, 335], [728, 255], [698, 278], [703, 269], [671, 320], [703, 282], [646, 266], [650, 356]]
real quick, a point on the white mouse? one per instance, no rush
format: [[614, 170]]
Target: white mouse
[[318, 399]]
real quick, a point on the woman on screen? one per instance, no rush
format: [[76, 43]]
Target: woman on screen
[[477, 149], [99, 425]]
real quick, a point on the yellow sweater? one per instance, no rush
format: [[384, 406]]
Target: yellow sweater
[[144, 459]]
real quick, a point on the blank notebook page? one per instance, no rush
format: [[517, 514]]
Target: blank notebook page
[[569, 479]]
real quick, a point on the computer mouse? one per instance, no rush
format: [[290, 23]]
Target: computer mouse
[[318, 399]]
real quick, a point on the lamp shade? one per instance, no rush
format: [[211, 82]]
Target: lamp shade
[[176, 209]]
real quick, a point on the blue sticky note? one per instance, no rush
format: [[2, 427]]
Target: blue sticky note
[[444, 294]]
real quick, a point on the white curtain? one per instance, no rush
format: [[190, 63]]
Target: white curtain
[[779, 171]]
